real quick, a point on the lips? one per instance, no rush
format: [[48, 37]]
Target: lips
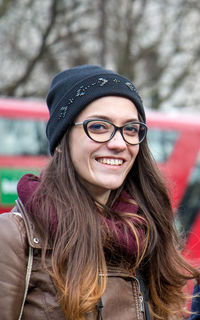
[[111, 161]]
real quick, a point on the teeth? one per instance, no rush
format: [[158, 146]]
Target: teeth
[[113, 162]]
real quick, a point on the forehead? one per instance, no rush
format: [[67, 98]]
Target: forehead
[[111, 107]]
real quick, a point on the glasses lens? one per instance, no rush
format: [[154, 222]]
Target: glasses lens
[[134, 133], [99, 130]]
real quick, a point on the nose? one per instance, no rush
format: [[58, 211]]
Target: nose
[[117, 142]]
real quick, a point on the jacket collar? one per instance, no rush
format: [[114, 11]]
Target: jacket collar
[[33, 236]]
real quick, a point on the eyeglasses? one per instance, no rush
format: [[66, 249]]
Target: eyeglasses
[[101, 131]]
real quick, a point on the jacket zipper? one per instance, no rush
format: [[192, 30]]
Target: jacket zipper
[[140, 301]]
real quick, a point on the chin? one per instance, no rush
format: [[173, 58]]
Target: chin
[[112, 186]]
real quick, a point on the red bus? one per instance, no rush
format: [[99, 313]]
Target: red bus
[[174, 142], [23, 145]]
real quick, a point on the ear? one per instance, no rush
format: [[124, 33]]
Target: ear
[[58, 149]]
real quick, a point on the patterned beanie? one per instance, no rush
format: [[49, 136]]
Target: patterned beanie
[[73, 89]]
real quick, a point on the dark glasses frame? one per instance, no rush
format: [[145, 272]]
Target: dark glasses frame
[[116, 128]]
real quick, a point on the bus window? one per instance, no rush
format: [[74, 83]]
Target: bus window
[[161, 143], [190, 204], [22, 137]]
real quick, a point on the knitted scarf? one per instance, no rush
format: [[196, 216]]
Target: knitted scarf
[[118, 233]]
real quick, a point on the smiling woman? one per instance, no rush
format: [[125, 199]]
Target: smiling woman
[[94, 226], [103, 166]]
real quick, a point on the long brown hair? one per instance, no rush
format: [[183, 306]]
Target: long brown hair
[[77, 243], [164, 269]]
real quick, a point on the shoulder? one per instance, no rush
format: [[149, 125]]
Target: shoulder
[[13, 240], [13, 263], [12, 230], [18, 226]]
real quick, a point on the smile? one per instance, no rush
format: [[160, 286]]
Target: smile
[[110, 161]]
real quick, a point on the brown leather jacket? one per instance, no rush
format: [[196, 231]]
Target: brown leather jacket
[[20, 246]]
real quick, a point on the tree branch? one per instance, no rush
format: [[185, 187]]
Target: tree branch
[[10, 90]]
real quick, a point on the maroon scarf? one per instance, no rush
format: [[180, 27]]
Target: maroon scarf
[[125, 241]]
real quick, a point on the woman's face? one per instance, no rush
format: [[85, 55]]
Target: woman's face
[[103, 167]]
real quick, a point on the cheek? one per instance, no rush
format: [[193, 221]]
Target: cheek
[[77, 160], [134, 152], [74, 148], [79, 151], [137, 150]]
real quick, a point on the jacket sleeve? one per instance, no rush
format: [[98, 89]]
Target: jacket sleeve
[[13, 264]]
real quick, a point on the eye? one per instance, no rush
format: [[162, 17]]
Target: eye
[[131, 129], [98, 126]]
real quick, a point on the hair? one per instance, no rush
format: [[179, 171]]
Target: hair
[[78, 255]]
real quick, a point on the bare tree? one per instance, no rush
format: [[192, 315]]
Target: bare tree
[[155, 43]]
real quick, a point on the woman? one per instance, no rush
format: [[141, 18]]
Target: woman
[[93, 236]]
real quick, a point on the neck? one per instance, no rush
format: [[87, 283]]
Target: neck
[[100, 195], [102, 198]]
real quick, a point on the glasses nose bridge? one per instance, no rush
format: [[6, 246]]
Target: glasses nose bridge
[[115, 129]]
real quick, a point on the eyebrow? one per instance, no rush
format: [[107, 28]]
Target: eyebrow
[[103, 117]]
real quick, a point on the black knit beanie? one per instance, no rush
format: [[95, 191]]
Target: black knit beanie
[[73, 89]]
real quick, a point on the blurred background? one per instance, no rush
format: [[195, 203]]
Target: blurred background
[[155, 43]]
